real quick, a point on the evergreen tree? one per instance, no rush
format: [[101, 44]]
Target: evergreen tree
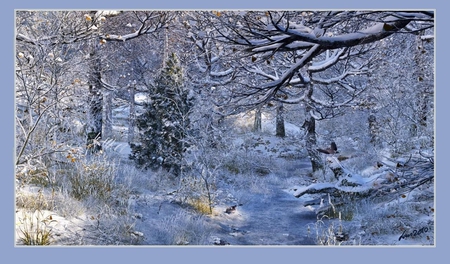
[[164, 124]]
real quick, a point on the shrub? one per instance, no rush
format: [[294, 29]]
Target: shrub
[[33, 201]]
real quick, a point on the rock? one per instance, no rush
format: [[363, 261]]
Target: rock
[[341, 236], [231, 209], [137, 233], [219, 242]]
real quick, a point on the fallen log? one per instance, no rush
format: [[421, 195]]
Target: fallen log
[[389, 182]]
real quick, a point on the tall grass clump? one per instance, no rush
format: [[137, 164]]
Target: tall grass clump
[[329, 232], [34, 229], [92, 176], [182, 228]]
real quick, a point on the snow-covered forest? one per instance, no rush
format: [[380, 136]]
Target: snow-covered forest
[[217, 128]]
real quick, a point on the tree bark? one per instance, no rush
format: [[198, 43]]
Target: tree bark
[[422, 79], [280, 129], [132, 117], [373, 129], [310, 126], [107, 107], [257, 125], [95, 103]]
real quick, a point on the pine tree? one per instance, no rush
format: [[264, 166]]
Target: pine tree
[[164, 124]]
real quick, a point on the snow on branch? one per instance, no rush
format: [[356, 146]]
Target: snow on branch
[[23, 38], [330, 80], [335, 105], [292, 81], [267, 48], [301, 39], [111, 87], [149, 23], [339, 78], [221, 82], [328, 62], [293, 100], [315, 115], [347, 87], [427, 37], [294, 68], [422, 16], [221, 73], [390, 181], [262, 73], [351, 183]]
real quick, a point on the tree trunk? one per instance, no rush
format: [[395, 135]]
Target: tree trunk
[[280, 130], [423, 84], [107, 115], [95, 104], [132, 117], [373, 129], [257, 125], [310, 126], [311, 141]]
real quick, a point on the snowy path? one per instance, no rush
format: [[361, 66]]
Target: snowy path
[[274, 217], [278, 219]]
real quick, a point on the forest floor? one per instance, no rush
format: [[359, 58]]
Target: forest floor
[[262, 216], [265, 213]]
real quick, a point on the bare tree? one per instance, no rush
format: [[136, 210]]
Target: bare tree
[[90, 32], [48, 85], [296, 56]]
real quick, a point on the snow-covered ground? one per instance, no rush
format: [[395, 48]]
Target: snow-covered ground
[[251, 206]]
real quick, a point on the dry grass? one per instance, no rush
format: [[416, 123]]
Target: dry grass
[[182, 228], [201, 205], [34, 229]]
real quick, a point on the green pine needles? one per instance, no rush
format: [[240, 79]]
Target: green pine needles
[[164, 124]]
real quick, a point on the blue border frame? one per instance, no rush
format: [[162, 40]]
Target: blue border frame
[[221, 254]]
